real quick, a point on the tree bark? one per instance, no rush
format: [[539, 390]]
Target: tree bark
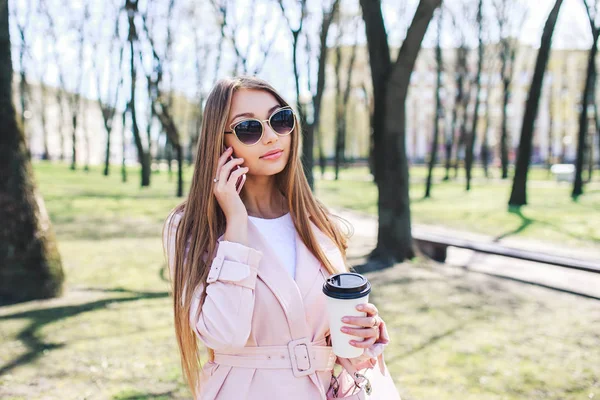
[[394, 239], [143, 156], [461, 71], [438, 107], [518, 196], [30, 265], [586, 100], [469, 157]]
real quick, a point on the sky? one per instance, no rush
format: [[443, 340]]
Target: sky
[[572, 31]]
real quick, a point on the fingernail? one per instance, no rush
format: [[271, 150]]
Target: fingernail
[[345, 319], [344, 329], [359, 307]]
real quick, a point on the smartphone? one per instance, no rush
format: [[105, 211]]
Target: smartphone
[[241, 179]]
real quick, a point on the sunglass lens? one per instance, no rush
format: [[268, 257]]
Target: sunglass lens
[[248, 132], [282, 121]]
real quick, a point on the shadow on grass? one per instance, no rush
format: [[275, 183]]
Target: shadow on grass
[[143, 396], [39, 318], [525, 223]]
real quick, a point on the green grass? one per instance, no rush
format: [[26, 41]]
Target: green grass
[[550, 216], [454, 336]]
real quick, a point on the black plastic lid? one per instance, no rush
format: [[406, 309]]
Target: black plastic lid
[[347, 285]]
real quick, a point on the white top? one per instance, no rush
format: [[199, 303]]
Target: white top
[[281, 234]]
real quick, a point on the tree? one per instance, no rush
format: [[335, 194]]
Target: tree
[[74, 98], [461, 100], [518, 196], [511, 15], [309, 127], [438, 106], [61, 92], [587, 99], [390, 89], [30, 266], [469, 157], [144, 156], [161, 105], [342, 93], [108, 94], [22, 25]]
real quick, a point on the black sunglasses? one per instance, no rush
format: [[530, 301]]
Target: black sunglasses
[[249, 131]]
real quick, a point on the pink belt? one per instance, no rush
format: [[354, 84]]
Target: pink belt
[[302, 356]]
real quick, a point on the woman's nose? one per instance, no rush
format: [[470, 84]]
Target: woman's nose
[[269, 134]]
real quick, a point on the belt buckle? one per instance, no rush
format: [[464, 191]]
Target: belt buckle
[[299, 351]]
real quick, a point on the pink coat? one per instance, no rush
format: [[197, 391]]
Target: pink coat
[[269, 331]]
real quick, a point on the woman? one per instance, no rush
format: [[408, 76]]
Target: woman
[[256, 303]]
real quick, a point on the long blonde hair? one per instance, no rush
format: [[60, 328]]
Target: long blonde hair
[[202, 221]]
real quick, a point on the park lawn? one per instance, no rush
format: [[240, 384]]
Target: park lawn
[[550, 216], [455, 334]]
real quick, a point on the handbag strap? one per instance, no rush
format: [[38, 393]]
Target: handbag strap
[[344, 362]]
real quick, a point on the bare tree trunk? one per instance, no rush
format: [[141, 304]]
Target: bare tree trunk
[[549, 157], [338, 99], [342, 99], [124, 145], [30, 265], [161, 107], [24, 91], [504, 136], [74, 99], [461, 69], [518, 196], [586, 100], [143, 156], [438, 107], [394, 240], [44, 93], [597, 126], [462, 137], [309, 129], [469, 157]]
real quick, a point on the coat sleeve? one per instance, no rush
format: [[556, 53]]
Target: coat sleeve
[[226, 316]]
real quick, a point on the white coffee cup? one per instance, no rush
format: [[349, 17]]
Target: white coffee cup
[[344, 292]]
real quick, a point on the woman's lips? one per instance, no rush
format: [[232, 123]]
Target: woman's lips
[[273, 156]]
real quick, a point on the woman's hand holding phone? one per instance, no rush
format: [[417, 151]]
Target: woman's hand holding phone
[[228, 174]]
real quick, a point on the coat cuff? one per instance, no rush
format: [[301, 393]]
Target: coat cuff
[[235, 263]]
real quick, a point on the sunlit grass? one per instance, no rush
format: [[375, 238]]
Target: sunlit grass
[[455, 334], [551, 215]]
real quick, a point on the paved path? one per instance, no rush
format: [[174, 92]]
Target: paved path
[[585, 283]]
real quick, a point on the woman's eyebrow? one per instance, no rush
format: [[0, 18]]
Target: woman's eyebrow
[[249, 114]]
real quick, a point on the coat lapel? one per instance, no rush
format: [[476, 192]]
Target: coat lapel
[[290, 292]]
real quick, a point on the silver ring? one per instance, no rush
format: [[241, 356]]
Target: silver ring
[[215, 180]]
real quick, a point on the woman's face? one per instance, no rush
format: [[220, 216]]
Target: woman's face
[[259, 104]]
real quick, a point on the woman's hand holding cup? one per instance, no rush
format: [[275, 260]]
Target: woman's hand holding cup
[[365, 327]]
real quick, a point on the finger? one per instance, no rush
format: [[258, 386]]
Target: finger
[[363, 344], [369, 308], [236, 174], [361, 332], [226, 169], [222, 160], [367, 322]]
